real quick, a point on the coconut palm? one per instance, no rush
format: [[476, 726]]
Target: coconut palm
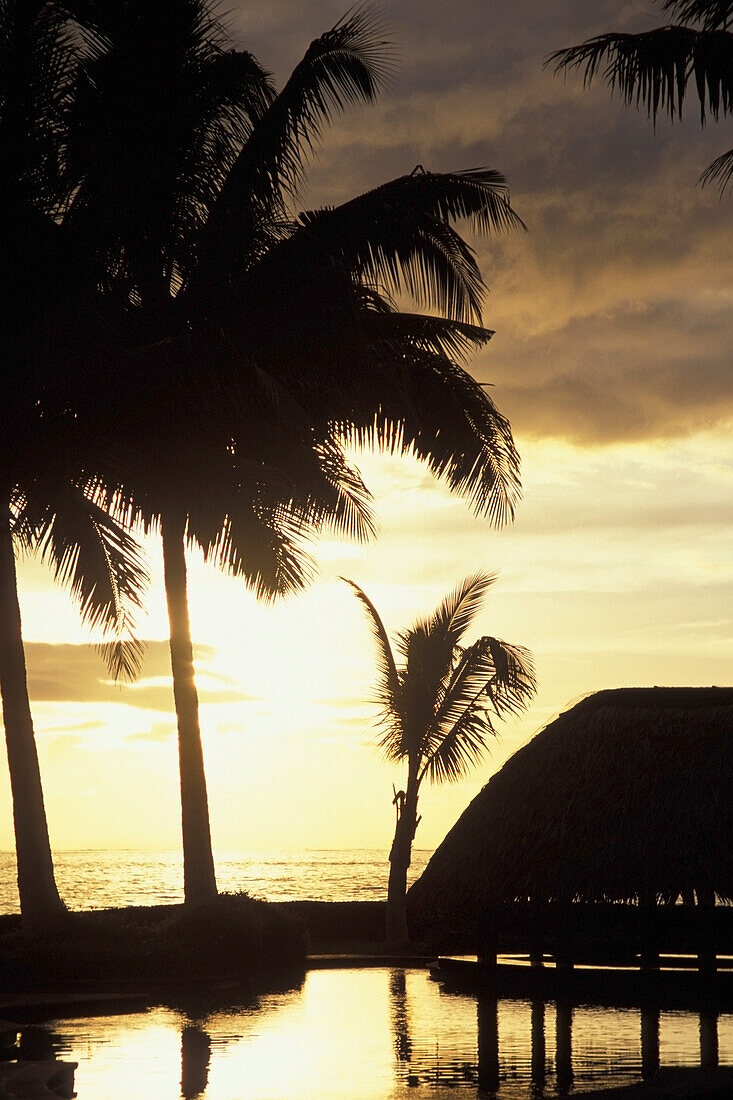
[[656, 69], [49, 495], [438, 708], [248, 507], [184, 163]]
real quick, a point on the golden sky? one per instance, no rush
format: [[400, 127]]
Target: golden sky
[[612, 360]]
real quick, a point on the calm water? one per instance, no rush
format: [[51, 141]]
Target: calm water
[[385, 1034], [102, 879], [358, 1034]]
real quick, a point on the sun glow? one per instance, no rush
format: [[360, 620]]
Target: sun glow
[[289, 732]]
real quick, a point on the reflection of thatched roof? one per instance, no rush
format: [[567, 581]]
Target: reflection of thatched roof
[[628, 792]]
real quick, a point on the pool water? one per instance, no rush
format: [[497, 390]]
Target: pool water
[[369, 1033]]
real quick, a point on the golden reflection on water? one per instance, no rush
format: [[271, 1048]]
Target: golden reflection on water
[[371, 1035]]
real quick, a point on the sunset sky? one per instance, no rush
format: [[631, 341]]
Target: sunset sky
[[614, 329]]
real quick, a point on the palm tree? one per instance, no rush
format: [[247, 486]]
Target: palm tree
[[50, 498], [438, 709], [657, 68], [247, 507], [184, 162]]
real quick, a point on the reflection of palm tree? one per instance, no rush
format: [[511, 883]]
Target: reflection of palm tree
[[400, 1015], [195, 1058], [437, 710], [656, 69], [186, 160], [48, 500]]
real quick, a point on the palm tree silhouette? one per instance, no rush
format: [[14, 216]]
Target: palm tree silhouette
[[437, 709], [184, 165], [657, 68], [50, 497]]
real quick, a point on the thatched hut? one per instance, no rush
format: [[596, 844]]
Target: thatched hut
[[626, 796]]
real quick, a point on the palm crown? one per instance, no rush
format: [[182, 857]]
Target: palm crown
[[657, 69], [228, 345], [437, 709], [438, 705]]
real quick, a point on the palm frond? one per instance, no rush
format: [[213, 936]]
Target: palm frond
[[344, 504], [37, 70], [348, 64], [720, 172], [267, 549], [159, 115], [427, 404], [490, 679], [655, 68], [388, 687], [101, 565], [400, 235], [711, 14], [457, 611], [461, 750], [438, 335]]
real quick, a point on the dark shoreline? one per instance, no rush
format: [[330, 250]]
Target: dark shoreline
[[230, 951]]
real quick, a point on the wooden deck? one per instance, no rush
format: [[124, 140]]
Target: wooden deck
[[680, 987]]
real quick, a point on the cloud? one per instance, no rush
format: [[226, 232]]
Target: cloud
[[158, 732], [613, 315], [76, 673], [74, 728]]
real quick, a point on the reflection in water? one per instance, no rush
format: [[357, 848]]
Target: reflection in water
[[195, 1058], [709, 1053], [538, 1046], [649, 1040], [488, 1045], [378, 1035], [400, 1017], [36, 1044], [564, 1047]]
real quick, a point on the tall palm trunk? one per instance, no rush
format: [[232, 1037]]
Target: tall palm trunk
[[40, 905], [396, 932], [199, 880]]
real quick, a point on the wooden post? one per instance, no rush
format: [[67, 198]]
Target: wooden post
[[706, 955], [537, 916], [488, 940], [648, 931]]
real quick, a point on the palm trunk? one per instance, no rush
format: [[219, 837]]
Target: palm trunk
[[199, 880], [40, 905], [396, 931]]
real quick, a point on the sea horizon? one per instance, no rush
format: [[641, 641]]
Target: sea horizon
[[104, 878]]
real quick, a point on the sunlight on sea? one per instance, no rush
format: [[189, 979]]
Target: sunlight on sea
[[106, 879]]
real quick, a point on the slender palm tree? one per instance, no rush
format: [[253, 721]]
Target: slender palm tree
[[184, 163], [49, 496], [656, 69], [249, 508], [438, 709]]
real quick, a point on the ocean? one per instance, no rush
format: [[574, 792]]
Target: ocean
[[92, 879]]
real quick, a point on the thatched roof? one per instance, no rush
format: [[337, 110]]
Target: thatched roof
[[630, 791]]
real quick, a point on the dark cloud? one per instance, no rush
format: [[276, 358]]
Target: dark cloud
[[611, 313], [76, 673]]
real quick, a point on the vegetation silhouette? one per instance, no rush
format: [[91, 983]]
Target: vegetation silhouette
[[49, 499], [437, 710], [267, 339], [657, 68]]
